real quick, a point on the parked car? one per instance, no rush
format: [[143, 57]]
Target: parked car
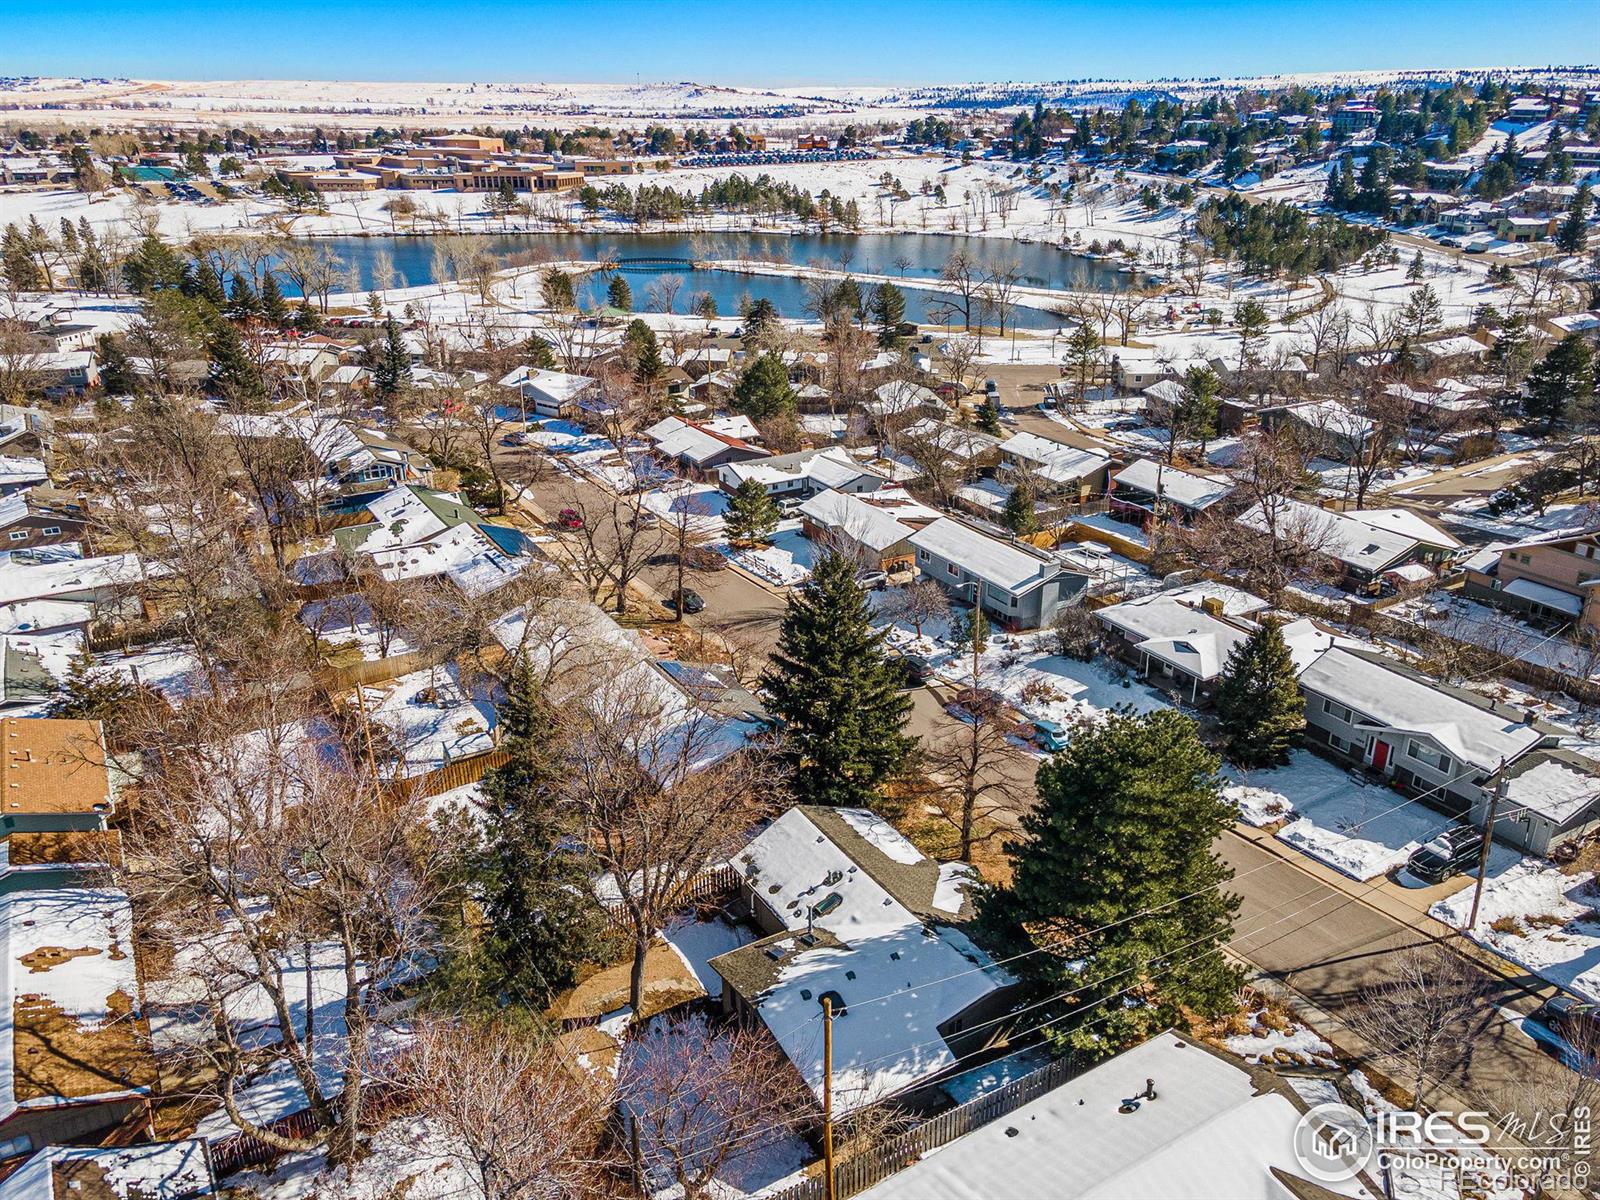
[[1447, 854], [1574, 1020], [569, 518], [1049, 735], [917, 670], [687, 602], [874, 581]]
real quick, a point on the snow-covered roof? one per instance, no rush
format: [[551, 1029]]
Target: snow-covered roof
[[555, 387], [69, 969], [14, 469], [1542, 593], [979, 554], [831, 467], [71, 577], [693, 442], [899, 396], [1558, 784], [1406, 523], [1386, 696], [1054, 461], [1159, 479], [162, 1171], [871, 944], [1334, 533], [859, 520], [1210, 1131], [464, 553]]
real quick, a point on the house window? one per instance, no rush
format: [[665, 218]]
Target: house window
[[922, 555], [19, 535], [1338, 711], [51, 530], [950, 568]]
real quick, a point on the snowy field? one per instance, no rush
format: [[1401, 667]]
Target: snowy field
[[786, 559]]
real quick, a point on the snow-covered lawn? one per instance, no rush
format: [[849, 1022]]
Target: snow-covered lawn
[[1358, 828], [1537, 917], [345, 623], [168, 667], [431, 718], [786, 559], [404, 1159], [699, 506]]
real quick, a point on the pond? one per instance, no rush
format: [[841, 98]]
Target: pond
[[646, 257]]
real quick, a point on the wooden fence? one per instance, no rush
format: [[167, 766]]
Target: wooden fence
[[713, 886], [861, 1171], [243, 1150]]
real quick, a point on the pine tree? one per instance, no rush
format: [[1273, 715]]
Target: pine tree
[[970, 630], [1117, 857], [763, 391], [1562, 381], [618, 294], [117, 376], [1019, 514], [1259, 706], [760, 320], [542, 919], [644, 352], [206, 284], [988, 417], [88, 695], [235, 378], [306, 318], [1573, 235], [391, 374], [752, 514], [1418, 270], [273, 306], [888, 311], [835, 691], [243, 303]]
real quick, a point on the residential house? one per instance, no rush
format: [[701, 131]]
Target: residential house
[[900, 398], [965, 450], [1147, 485], [56, 778], [1182, 642], [1331, 429], [854, 912], [1526, 229], [1364, 551], [1053, 468], [1442, 743], [1551, 577], [75, 1059], [158, 1171], [875, 529], [67, 372], [1170, 1119], [26, 520], [803, 474], [548, 393], [1016, 585], [700, 447], [18, 474]]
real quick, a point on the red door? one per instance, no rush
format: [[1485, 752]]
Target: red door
[[1380, 755]]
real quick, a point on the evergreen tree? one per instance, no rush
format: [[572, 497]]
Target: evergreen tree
[[760, 320], [391, 374], [644, 352], [1259, 706], [88, 695], [988, 417], [1117, 858], [618, 294], [888, 311], [1083, 357], [763, 391], [117, 375], [542, 921], [835, 691], [752, 514], [16, 259], [243, 303], [969, 630], [153, 267], [235, 378], [1573, 235], [306, 318], [1563, 380], [1019, 514], [206, 284], [1418, 270], [273, 306]]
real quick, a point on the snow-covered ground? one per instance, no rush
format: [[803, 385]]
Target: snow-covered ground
[[786, 558], [1358, 828], [1466, 620], [1539, 917]]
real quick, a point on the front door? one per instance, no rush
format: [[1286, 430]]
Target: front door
[[1380, 755]]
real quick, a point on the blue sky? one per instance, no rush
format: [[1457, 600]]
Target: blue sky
[[796, 42]]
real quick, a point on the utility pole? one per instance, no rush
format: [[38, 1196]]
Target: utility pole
[[1483, 852], [827, 1098]]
